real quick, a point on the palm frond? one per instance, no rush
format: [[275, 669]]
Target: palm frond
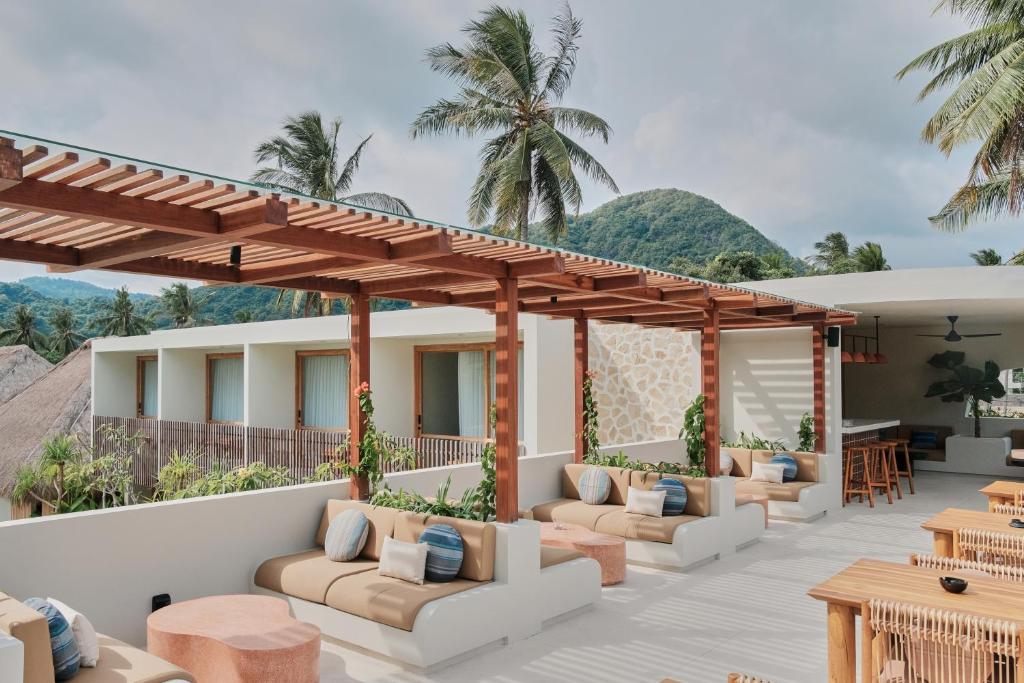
[[381, 202], [581, 121], [562, 64], [588, 164], [973, 202], [344, 180]]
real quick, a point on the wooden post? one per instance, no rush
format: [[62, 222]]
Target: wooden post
[[10, 164], [581, 342], [506, 340], [710, 344], [818, 362], [359, 372]]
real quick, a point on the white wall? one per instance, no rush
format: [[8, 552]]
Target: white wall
[[392, 380], [549, 382], [896, 389], [182, 382], [270, 385], [114, 384]]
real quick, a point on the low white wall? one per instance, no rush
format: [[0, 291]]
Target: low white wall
[[109, 563], [5, 509]]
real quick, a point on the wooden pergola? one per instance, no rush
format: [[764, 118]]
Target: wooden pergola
[[74, 210]]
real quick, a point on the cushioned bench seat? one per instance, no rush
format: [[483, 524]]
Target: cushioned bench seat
[[569, 511], [307, 575], [122, 663], [642, 527], [390, 601], [551, 556], [789, 490]]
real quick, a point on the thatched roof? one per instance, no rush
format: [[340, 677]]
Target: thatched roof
[[20, 366], [57, 403]]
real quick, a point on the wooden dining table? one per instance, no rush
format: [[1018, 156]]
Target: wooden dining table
[[944, 525], [1001, 492], [849, 590]]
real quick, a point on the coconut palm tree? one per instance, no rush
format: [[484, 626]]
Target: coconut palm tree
[[833, 252], [182, 306], [987, 257], [23, 328], [868, 258], [308, 162], [64, 337], [508, 88], [983, 68], [117, 317]]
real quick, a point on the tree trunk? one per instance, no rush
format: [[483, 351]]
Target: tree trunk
[[977, 418]]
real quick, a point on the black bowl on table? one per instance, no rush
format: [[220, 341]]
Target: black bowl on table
[[953, 584]]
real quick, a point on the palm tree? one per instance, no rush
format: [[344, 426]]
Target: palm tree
[[868, 258], [308, 162], [987, 257], [23, 329], [64, 337], [510, 89], [986, 105], [118, 318], [833, 252], [182, 306], [244, 315]]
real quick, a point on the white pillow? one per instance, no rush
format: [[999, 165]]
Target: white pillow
[[405, 561], [762, 471], [642, 502], [85, 634], [724, 464]]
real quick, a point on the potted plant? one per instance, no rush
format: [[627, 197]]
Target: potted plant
[[966, 384]]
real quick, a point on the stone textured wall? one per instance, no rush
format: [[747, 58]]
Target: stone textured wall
[[644, 379]]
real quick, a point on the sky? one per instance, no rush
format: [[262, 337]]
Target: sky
[[786, 113]]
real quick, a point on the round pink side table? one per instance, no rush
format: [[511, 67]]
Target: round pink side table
[[609, 551], [236, 639]]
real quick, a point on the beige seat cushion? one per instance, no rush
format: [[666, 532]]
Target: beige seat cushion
[[572, 512], [620, 482], [642, 527], [698, 490], [307, 575], [30, 627], [788, 491], [382, 523], [550, 555], [740, 461], [122, 663], [478, 541], [806, 463], [390, 601]]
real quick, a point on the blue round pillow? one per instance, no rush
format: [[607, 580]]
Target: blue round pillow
[[789, 465], [444, 552], [66, 656], [595, 486], [675, 496]]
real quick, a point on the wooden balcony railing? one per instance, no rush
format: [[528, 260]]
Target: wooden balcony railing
[[230, 446]]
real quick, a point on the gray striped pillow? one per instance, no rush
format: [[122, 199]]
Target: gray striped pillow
[[346, 536]]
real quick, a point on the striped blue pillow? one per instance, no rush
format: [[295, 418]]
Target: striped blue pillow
[[595, 486], [444, 552], [346, 536], [66, 657], [788, 463], [675, 496]]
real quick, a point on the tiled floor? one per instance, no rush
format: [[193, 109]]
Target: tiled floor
[[748, 612]]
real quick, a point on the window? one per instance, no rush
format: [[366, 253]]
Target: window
[[1011, 405], [321, 389], [455, 389], [224, 382], [145, 386]]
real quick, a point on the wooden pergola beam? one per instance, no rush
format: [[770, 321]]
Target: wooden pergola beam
[[581, 364], [359, 372], [818, 382], [710, 361], [191, 270], [506, 438], [34, 252], [413, 282], [308, 266], [11, 163]]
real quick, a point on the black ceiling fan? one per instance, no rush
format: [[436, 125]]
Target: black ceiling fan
[[954, 336]]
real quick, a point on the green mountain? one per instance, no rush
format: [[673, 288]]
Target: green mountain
[[654, 227], [71, 290]]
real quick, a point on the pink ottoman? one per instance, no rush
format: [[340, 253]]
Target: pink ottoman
[[609, 551], [236, 639]]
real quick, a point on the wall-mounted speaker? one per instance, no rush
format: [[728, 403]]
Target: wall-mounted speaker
[[160, 601], [833, 336]]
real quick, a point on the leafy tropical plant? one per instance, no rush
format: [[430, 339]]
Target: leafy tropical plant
[[692, 431], [176, 475], [965, 383], [118, 317], [57, 480], [756, 443], [375, 448], [806, 434], [987, 257], [23, 328], [440, 504], [511, 89], [64, 337], [182, 306], [591, 443]]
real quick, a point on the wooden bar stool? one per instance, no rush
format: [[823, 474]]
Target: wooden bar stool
[[879, 469], [857, 477], [907, 473], [889, 460]]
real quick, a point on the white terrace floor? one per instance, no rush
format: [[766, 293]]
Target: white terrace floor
[[748, 612]]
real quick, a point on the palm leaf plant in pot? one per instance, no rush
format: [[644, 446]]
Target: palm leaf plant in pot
[[965, 383]]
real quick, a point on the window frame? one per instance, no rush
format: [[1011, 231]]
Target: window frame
[[488, 349], [210, 357], [140, 384], [299, 355]]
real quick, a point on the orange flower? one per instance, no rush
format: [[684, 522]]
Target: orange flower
[[361, 389]]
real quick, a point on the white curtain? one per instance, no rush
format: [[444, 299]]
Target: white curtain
[[325, 391], [471, 393], [226, 389], [522, 393], [149, 387]]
